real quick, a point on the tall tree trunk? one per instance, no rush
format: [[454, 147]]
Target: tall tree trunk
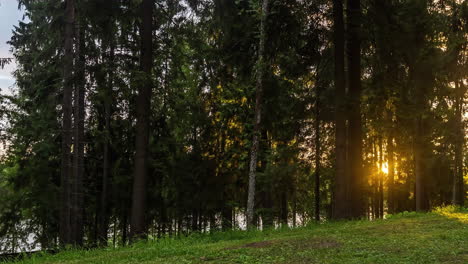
[[78, 147], [458, 188], [374, 183], [340, 196], [104, 213], [381, 175], [317, 155], [266, 190], [124, 228], [143, 108], [226, 207], [420, 138], [355, 128], [194, 220], [391, 171], [257, 118], [284, 209], [420, 165], [114, 232], [66, 171], [226, 216], [212, 222], [294, 213]]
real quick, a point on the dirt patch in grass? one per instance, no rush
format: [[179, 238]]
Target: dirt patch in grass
[[296, 244], [313, 243], [461, 257], [385, 228], [260, 244]]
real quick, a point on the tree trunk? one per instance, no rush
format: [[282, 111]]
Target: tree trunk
[[340, 196], [391, 171], [104, 213], [114, 235], [374, 183], [420, 138], [420, 166], [194, 220], [354, 149], [226, 217], [257, 118], [317, 155], [381, 176], [458, 188], [212, 223], [294, 212], [267, 215], [284, 209], [143, 108], [124, 228], [66, 171], [266, 190], [78, 147]]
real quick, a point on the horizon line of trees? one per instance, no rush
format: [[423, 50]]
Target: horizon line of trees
[[145, 119]]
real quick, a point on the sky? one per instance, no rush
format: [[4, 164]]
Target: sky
[[9, 16]]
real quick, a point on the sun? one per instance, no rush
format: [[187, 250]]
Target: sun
[[385, 168]]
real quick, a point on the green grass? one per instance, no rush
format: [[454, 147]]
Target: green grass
[[437, 237]]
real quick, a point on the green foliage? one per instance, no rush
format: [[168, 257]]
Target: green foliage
[[4, 61]]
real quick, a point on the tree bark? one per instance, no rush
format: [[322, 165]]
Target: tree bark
[[355, 128], [374, 184], [226, 217], [124, 227], [284, 209], [317, 155], [420, 148], [78, 147], [257, 118], [266, 191], [458, 185], [420, 165], [143, 108], [66, 171], [340, 196], [391, 171], [381, 175], [107, 101]]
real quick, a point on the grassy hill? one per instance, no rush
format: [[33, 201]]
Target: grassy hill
[[437, 237]]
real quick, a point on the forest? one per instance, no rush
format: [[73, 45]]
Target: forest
[[151, 119]]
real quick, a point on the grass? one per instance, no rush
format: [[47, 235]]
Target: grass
[[437, 237]]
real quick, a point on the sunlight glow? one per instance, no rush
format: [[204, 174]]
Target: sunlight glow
[[385, 168]]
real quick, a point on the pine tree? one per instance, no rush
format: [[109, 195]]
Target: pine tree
[[257, 116], [354, 148], [138, 227], [67, 234], [341, 183]]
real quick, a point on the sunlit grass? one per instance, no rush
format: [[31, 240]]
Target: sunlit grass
[[460, 214]]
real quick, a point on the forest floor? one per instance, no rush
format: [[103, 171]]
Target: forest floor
[[437, 237]]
